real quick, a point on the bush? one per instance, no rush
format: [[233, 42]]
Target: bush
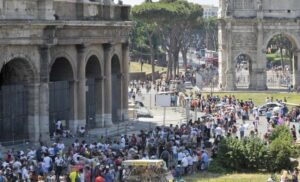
[[255, 152], [281, 132], [230, 154], [280, 153], [248, 155], [252, 154], [216, 167], [281, 149]]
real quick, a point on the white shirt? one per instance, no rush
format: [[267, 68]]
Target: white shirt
[[123, 142], [185, 162], [218, 131], [47, 160], [174, 149], [190, 160], [25, 174], [180, 156], [61, 146]]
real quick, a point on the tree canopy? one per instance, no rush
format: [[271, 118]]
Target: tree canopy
[[172, 20]]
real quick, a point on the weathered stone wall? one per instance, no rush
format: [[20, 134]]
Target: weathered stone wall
[[80, 31], [246, 27]]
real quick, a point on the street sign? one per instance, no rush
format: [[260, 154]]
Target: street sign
[[163, 100]]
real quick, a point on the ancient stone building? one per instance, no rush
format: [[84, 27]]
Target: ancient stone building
[[246, 27], [61, 60]]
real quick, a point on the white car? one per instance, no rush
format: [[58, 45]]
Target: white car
[[188, 85], [270, 106]]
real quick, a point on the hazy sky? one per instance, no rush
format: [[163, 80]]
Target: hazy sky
[[209, 2]]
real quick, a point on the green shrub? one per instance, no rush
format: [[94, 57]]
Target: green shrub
[[280, 153], [281, 132], [230, 153], [216, 167], [252, 154], [255, 152]]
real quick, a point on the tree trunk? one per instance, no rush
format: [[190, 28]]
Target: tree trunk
[[149, 35], [169, 75], [153, 65], [184, 57], [176, 58], [282, 64]]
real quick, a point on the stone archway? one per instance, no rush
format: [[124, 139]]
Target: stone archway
[[116, 82], [94, 98], [248, 26], [60, 95], [243, 71], [281, 60], [15, 104]]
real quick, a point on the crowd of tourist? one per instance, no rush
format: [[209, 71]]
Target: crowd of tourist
[[186, 149]]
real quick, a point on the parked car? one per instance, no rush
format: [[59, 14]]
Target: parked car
[[143, 112], [270, 106]]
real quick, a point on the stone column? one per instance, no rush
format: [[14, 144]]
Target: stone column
[[230, 71], [44, 94], [222, 55], [73, 121], [81, 87], [125, 62], [107, 71], [296, 70], [260, 70], [34, 104], [99, 102]]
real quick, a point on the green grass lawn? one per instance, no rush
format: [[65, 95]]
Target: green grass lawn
[[209, 177], [260, 97], [136, 67]]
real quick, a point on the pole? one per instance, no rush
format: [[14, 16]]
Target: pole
[[187, 110], [195, 114], [150, 100], [164, 120]]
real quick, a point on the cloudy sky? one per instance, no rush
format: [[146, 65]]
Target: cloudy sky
[[208, 2]]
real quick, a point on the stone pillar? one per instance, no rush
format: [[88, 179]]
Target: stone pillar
[[230, 70], [296, 70], [222, 55], [43, 104], [81, 87], [107, 71], [125, 62], [99, 102], [73, 121], [260, 70], [34, 113]]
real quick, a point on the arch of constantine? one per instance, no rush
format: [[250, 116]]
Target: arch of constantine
[[61, 60], [246, 27]]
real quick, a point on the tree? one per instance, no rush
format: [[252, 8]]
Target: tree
[[170, 17], [140, 13]]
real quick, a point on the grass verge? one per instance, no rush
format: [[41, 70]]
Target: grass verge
[[136, 67], [210, 177]]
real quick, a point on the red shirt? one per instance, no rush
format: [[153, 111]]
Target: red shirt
[[99, 179]]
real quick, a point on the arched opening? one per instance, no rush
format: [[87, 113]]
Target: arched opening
[[15, 77], [243, 70], [116, 89], [94, 91], [60, 101], [281, 58]]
